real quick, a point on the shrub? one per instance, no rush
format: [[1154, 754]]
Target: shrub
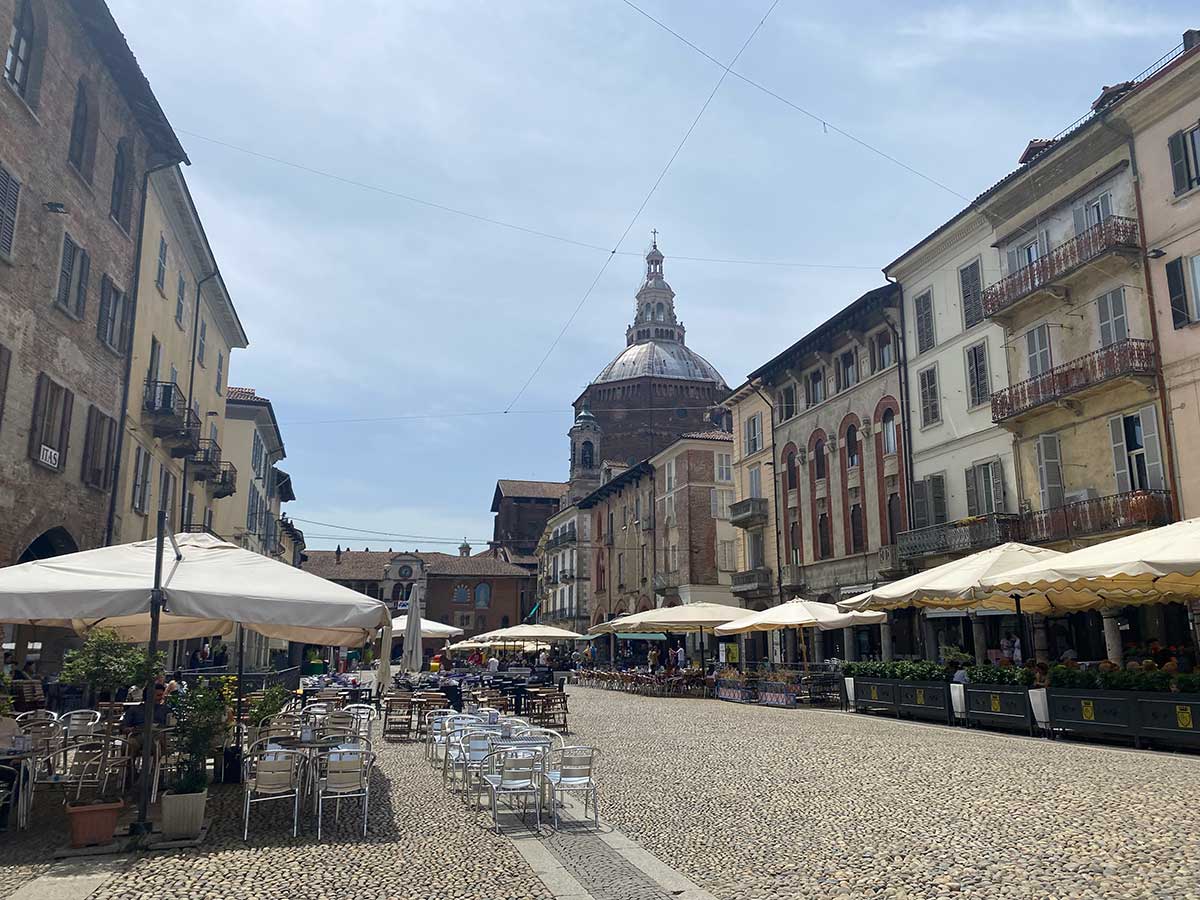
[[1066, 677], [1000, 675], [272, 702], [1188, 684], [200, 725], [105, 663], [902, 670]]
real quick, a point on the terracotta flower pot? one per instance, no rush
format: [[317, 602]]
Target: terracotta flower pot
[[93, 823]]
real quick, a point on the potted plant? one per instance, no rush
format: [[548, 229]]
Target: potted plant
[[200, 727], [271, 702], [94, 822]]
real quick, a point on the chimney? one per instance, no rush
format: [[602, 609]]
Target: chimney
[[337, 556], [1191, 38], [464, 549]]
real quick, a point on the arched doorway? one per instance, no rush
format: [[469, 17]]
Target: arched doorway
[[54, 642], [52, 542]]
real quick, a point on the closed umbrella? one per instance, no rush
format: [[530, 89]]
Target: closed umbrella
[[413, 657]]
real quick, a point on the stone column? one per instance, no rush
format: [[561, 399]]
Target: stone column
[[850, 643], [818, 640], [979, 636], [1041, 639], [1112, 635], [885, 638]]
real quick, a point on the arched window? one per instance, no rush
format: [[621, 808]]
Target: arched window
[[397, 592], [852, 454], [895, 525], [18, 63], [587, 455], [858, 537], [824, 537], [791, 470], [118, 204], [77, 149], [660, 312], [889, 431], [647, 312], [462, 593], [483, 596], [819, 458]]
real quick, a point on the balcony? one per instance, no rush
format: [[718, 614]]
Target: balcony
[[225, 482], [165, 408], [752, 581], [960, 537], [666, 582], [1077, 378], [1116, 234], [205, 464], [567, 537], [1098, 515], [793, 577], [748, 513], [197, 528]]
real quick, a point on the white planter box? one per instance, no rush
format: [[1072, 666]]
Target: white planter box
[[183, 815], [1041, 710], [850, 691], [958, 696]]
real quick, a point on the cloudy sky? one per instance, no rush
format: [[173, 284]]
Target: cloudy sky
[[380, 326]]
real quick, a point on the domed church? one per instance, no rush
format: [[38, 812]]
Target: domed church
[[655, 390]]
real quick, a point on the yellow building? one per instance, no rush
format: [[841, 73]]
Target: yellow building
[[185, 329]]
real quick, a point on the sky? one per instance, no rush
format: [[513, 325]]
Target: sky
[[391, 334]]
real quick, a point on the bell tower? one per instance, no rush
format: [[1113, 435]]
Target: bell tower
[[585, 455]]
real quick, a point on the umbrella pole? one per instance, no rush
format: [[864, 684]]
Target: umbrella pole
[[241, 668], [803, 648], [142, 825], [1025, 645]]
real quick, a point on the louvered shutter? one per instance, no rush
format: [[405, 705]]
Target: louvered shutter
[[1177, 289], [1080, 216], [1014, 260], [972, 499], [1116, 308], [84, 261], [87, 471], [1116, 432], [1105, 206], [1106, 325], [64, 435], [937, 498], [972, 294], [41, 393], [997, 471], [5, 360], [66, 269], [10, 191], [1154, 467], [137, 476], [110, 453], [1179, 165], [920, 504], [105, 309], [1049, 458], [1043, 243], [924, 305], [712, 501]]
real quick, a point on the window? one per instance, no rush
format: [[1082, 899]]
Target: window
[[10, 192], [166, 494], [670, 474], [587, 455], [819, 462], [483, 596], [978, 385], [883, 350], [77, 149], [924, 310], [889, 431], [755, 476], [50, 428], [970, 283], [756, 556], [847, 370], [931, 400], [668, 508], [1111, 310], [929, 500], [1137, 457], [220, 369], [19, 59], [673, 558], [814, 387], [1037, 348], [461, 593], [1050, 479], [5, 362], [112, 326], [99, 446], [621, 570], [787, 403], [985, 488], [720, 501], [753, 434], [858, 537], [202, 341], [141, 479], [853, 456], [1092, 212], [160, 274], [180, 300], [724, 467], [118, 204], [726, 556], [253, 505], [256, 454], [1184, 148], [790, 471], [824, 538], [73, 270], [1027, 253]]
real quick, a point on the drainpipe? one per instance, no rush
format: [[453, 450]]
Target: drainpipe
[[191, 387], [134, 292], [1168, 443], [775, 495], [905, 406]]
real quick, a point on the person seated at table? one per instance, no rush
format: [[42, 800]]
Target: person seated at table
[[1041, 675], [1133, 666], [133, 723], [25, 673], [960, 674]]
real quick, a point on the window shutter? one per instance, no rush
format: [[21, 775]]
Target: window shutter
[[1014, 260], [5, 360], [1043, 242], [110, 452], [1154, 467], [105, 309], [937, 498], [1177, 289], [920, 504], [85, 268], [1105, 206], [997, 470], [1080, 216], [1106, 325], [807, 393], [712, 501], [86, 473], [924, 310], [1116, 306], [137, 475], [10, 190], [64, 439], [125, 338], [972, 500], [1179, 166], [972, 294], [1049, 460], [66, 268], [39, 416], [1116, 432]]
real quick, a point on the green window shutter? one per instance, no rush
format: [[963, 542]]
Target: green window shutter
[[39, 416], [85, 270], [1177, 290], [86, 472], [1049, 460], [10, 192], [997, 471], [66, 268], [1154, 466], [920, 505], [972, 498], [105, 309], [1179, 166], [937, 497], [64, 439]]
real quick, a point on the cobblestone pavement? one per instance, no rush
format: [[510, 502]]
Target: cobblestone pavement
[[603, 872], [751, 802]]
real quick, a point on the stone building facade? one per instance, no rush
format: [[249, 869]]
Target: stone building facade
[[522, 508], [80, 129]]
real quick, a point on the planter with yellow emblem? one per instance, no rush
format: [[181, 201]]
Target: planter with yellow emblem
[[1166, 717]]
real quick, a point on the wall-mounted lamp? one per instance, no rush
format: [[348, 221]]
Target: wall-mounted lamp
[[1156, 253], [53, 206]]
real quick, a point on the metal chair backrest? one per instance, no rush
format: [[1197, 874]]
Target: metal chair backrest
[[347, 771], [476, 745], [341, 719], [575, 764], [553, 736], [276, 771], [519, 769], [36, 715], [80, 721], [45, 734]]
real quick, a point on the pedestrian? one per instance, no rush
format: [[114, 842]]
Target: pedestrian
[[1016, 650], [682, 659], [493, 664], [1006, 647], [652, 659]]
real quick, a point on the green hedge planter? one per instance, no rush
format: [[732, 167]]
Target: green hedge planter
[[999, 706], [1139, 716]]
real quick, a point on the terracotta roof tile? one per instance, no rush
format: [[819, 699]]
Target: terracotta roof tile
[[475, 565], [358, 565], [551, 489], [244, 394], [708, 436]]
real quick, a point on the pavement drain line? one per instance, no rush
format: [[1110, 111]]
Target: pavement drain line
[[616, 867], [73, 880]]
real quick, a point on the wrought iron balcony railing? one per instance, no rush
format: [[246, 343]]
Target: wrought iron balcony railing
[[1131, 356], [1114, 233], [205, 463], [1098, 515], [792, 576], [225, 482], [567, 537], [757, 579], [748, 513], [961, 536]]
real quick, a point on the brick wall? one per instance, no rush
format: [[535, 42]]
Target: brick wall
[[507, 595]]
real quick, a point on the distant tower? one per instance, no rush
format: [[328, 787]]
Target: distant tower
[[585, 455]]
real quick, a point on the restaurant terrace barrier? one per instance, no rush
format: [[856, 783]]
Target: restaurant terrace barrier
[[999, 706], [1139, 716], [919, 699]]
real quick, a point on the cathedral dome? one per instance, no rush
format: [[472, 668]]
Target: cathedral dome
[[660, 359]]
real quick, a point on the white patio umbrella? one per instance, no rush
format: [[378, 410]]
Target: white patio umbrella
[[690, 617], [800, 613], [527, 632], [429, 628], [413, 657]]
